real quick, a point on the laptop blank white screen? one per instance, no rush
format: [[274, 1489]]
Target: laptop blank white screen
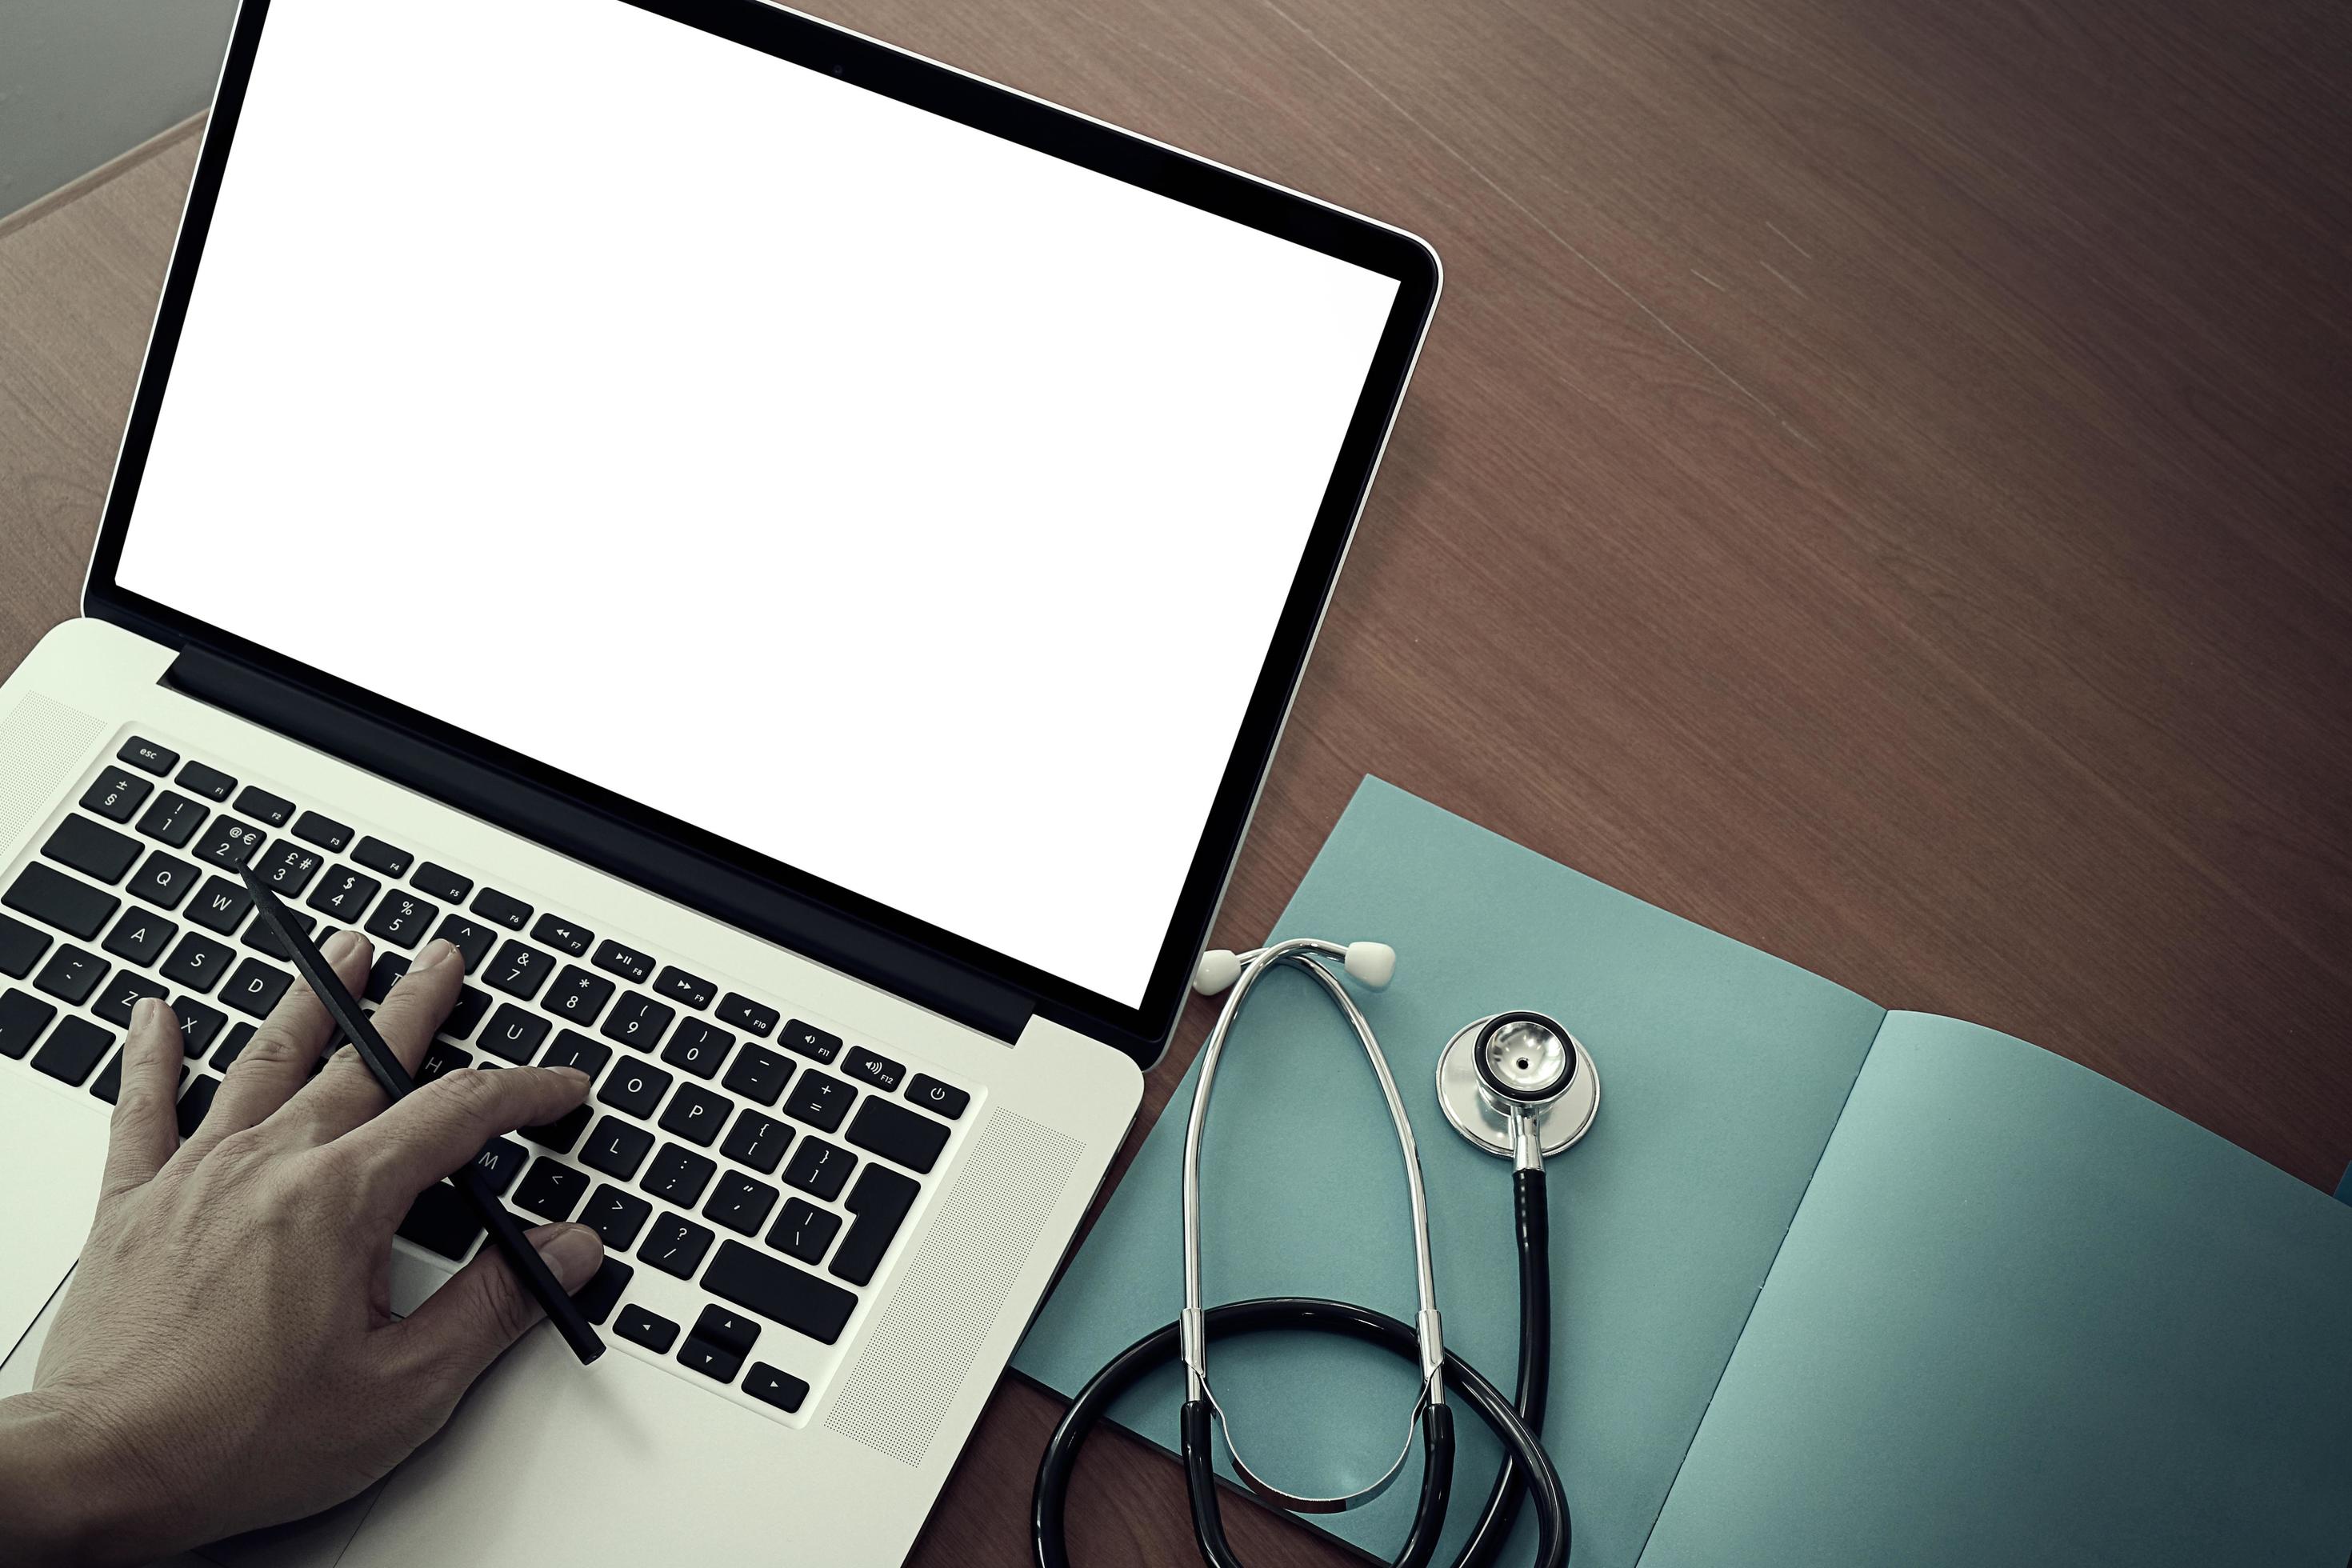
[[902, 503]]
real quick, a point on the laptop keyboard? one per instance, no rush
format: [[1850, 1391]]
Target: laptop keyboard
[[759, 1160]]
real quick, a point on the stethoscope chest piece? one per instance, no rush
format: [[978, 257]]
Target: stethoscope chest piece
[[1506, 1056]]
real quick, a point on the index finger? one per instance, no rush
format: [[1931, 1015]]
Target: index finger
[[445, 1124]]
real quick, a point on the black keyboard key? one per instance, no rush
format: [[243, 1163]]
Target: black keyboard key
[[562, 935], [21, 947], [442, 883], [220, 905], [514, 1034], [679, 986], [174, 818], [552, 1189], [758, 1075], [380, 857], [934, 1096], [288, 868], [819, 1100], [384, 974], [441, 1059], [442, 1221], [140, 936], [207, 780], [575, 1049], [120, 995], [746, 1014], [729, 1331], [116, 795], [561, 1133], [258, 803], [679, 1174], [616, 1215], [199, 1025], [776, 1291], [92, 848], [636, 1088], [877, 1207], [698, 1047], [468, 937], [323, 831], [107, 1084], [695, 1114], [145, 754], [198, 962], [756, 1141], [741, 1203], [577, 997], [907, 1137], [230, 843], [233, 1047], [504, 908], [71, 975], [23, 1016], [194, 1102], [254, 988], [811, 1041], [805, 1231], [51, 897], [519, 971], [819, 1168], [499, 1163], [651, 1330], [710, 1360], [769, 1386], [402, 919], [878, 1072], [72, 1049], [262, 937], [473, 1006], [676, 1246], [341, 894], [625, 962], [616, 1147], [638, 1021], [162, 881], [596, 1297]]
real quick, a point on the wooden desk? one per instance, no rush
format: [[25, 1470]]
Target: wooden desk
[[1880, 484]]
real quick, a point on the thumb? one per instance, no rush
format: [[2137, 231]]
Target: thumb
[[461, 1328]]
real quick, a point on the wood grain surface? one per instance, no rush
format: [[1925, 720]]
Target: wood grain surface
[[1880, 484]]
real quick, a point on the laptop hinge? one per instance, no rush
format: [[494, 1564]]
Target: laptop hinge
[[660, 865]]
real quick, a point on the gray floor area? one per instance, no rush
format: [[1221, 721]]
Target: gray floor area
[[82, 81]]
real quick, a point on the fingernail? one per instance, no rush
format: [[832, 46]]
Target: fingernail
[[341, 945], [146, 1014], [571, 1073], [573, 1252], [436, 953]]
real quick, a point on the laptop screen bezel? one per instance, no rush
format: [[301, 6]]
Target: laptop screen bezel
[[1141, 1029]]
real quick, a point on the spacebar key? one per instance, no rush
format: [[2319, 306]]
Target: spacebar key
[[793, 1297]]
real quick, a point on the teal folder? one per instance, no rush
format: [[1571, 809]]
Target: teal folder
[[1832, 1285]]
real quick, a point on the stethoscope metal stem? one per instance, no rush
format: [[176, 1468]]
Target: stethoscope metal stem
[[1303, 952]]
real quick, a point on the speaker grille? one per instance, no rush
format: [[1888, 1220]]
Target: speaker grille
[[921, 1350], [41, 743]]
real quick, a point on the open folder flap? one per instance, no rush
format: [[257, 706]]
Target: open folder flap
[[1722, 1072]]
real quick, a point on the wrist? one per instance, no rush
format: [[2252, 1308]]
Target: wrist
[[66, 1500]]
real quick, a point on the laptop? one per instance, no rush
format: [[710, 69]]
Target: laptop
[[795, 560]]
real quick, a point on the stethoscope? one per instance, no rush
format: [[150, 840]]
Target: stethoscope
[[1516, 1084]]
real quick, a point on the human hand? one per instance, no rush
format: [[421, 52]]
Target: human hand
[[226, 1356]]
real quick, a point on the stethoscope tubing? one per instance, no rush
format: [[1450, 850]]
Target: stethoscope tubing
[[1523, 1462]]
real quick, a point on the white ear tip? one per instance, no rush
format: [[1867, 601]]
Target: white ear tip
[[1373, 963], [1217, 970]]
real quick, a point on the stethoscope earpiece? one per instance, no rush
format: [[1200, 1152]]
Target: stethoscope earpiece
[[1372, 963]]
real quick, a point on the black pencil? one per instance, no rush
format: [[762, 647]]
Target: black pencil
[[393, 1079]]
